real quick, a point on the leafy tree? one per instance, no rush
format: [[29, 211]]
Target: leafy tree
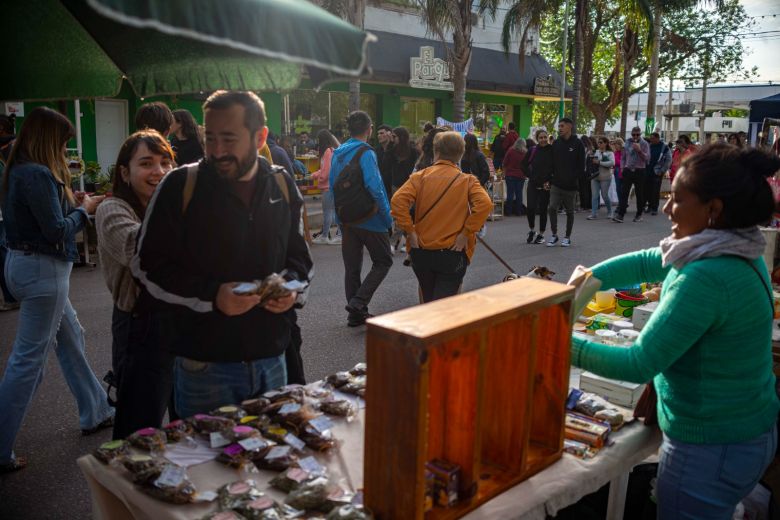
[[455, 16], [354, 11]]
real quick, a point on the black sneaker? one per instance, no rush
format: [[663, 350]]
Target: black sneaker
[[531, 235], [618, 219], [357, 317], [539, 239], [638, 218]]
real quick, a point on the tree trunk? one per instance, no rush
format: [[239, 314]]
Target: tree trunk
[[703, 115], [670, 133], [626, 95], [600, 124], [356, 15], [581, 18], [629, 50], [654, 59], [354, 95], [460, 60]]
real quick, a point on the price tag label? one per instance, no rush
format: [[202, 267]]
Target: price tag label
[[206, 496], [171, 476], [321, 423], [311, 466], [278, 452], [218, 440], [253, 443], [289, 408], [294, 442]]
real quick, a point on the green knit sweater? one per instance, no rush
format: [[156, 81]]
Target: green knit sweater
[[707, 346]]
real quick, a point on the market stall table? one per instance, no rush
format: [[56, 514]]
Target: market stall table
[[114, 497]]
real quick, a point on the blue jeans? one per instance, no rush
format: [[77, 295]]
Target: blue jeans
[[201, 387], [328, 212], [599, 190], [709, 480], [46, 321], [514, 193]]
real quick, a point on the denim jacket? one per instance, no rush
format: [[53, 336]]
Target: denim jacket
[[38, 216]]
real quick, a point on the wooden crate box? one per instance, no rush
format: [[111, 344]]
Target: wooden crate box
[[480, 380]]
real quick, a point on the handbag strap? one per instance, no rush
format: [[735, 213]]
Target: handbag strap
[[763, 283], [418, 220]]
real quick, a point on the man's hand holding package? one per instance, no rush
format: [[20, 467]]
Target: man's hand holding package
[[282, 304], [231, 304]]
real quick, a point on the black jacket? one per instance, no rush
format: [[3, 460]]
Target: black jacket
[[182, 259], [385, 170], [478, 168], [568, 162], [540, 166], [187, 151], [400, 170]]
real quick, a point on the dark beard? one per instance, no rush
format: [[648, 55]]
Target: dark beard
[[243, 166]]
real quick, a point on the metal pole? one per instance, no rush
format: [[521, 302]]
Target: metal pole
[[79, 150], [563, 59]]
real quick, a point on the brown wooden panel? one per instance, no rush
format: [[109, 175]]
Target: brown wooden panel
[[459, 415], [507, 392], [395, 428], [551, 378], [474, 310]]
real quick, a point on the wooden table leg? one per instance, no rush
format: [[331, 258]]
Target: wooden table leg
[[617, 497]]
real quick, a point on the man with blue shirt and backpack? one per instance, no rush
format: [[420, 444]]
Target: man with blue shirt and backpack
[[363, 211]]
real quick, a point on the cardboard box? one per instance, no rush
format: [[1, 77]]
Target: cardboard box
[[642, 314], [622, 393]]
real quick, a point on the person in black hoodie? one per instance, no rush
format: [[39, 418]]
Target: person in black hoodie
[[568, 165], [401, 158], [497, 147], [384, 136], [187, 141], [474, 161], [540, 167], [234, 219]]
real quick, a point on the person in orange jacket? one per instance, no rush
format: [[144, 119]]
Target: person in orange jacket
[[450, 208]]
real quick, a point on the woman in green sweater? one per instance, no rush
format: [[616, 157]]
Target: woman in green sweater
[[707, 347]]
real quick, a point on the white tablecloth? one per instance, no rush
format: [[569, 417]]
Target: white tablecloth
[[115, 498]]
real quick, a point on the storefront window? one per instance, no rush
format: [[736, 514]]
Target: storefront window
[[488, 119], [415, 113], [311, 112]]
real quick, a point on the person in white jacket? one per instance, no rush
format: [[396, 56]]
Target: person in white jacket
[[601, 179]]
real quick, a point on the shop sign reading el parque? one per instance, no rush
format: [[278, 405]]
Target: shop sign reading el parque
[[429, 72]]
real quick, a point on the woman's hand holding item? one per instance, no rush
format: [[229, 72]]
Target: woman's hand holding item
[[461, 242]]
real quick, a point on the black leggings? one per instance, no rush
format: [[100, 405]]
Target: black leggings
[[538, 200]]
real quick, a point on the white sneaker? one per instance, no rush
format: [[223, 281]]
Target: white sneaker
[[320, 239], [335, 240], [553, 241], [566, 242]]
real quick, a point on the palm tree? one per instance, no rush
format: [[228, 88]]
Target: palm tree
[[660, 8], [354, 11], [444, 16]]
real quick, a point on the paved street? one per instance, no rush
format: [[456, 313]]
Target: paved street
[[52, 486]]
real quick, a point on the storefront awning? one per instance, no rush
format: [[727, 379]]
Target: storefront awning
[[493, 71]]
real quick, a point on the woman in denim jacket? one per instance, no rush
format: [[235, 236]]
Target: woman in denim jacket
[[41, 223]]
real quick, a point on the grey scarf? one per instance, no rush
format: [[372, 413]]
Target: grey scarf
[[746, 243]]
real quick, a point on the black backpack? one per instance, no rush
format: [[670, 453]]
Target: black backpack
[[354, 204]]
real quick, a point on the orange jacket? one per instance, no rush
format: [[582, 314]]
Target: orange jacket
[[439, 228]]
